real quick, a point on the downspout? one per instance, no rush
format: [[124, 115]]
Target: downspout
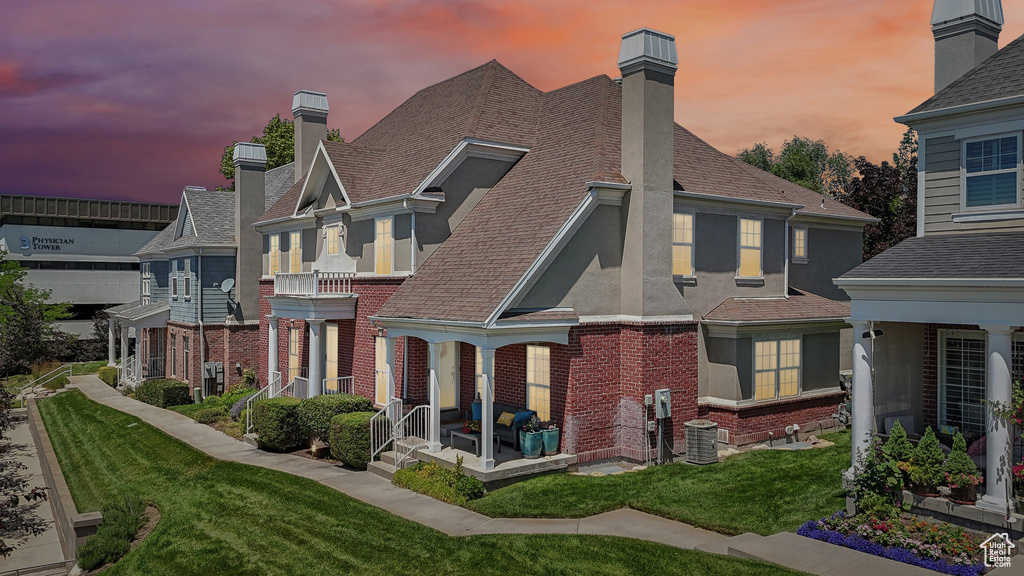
[[199, 314], [785, 278]]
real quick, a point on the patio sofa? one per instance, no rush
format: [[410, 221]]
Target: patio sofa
[[510, 434]]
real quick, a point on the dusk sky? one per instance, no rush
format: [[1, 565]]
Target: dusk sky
[[129, 99]]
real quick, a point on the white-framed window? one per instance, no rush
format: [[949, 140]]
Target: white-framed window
[[146, 281], [538, 380], [480, 372], [174, 355], [331, 361], [991, 172], [1017, 358], [274, 255], [295, 252], [383, 246], [682, 244], [174, 279], [294, 353], [962, 374], [750, 239], [185, 358], [776, 368], [188, 278], [800, 245], [333, 239], [381, 370]]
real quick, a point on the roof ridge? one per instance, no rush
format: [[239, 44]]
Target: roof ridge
[[575, 84], [481, 98], [969, 74]]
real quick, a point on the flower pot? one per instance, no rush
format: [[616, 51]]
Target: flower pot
[[476, 410], [531, 443], [926, 491], [965, 495], [551, 441]]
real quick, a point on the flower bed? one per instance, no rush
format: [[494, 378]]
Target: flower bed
[[943, 548]]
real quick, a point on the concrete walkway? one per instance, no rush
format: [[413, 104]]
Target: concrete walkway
[[785, 549]]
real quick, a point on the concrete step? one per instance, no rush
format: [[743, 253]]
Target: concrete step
[[742, 545], [390, 457], [251, 440], [382, 469]]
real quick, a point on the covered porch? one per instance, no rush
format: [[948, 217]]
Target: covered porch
[[148, 322]]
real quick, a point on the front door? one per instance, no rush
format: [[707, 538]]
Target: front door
[[447, 374]]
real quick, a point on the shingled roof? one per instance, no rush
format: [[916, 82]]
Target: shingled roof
[[955, 256], [1000, 76], [278, 181], [800, 306]]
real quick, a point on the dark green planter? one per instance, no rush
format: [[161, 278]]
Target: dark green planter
[[531, 443], [551, 441]]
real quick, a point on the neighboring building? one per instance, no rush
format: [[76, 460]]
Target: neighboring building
[[195, 306], [567, 251], [950, 302], [81, 250]]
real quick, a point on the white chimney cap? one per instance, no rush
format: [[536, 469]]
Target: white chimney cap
[[646, 48], [250, 153], [307, 101], [948, 11]]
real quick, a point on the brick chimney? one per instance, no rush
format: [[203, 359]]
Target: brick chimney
[[966, 34], [250, 198], [648, 62], [310, 111]]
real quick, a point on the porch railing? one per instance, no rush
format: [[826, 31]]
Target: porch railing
[[127, 375], [271, 390], [313, 283], [297, 388], [411, 434], [382, 427], [154, 367], [342, 385]]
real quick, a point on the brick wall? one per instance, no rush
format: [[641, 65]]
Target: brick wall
[[759, 422]]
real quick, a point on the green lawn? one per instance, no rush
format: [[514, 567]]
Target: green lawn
[[226, 518], [87, 367], [764, 492]]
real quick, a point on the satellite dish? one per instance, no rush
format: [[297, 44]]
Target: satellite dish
[[227, 285]]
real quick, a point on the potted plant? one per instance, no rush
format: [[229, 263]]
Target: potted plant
[[551, 434], [531, 438], [470, 426], [926, 465], [961, 473], [899, 449], [1018, 487]]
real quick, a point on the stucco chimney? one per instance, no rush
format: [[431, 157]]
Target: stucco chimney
[[310, 111], [966, 33], [250, 199], [648, 62]]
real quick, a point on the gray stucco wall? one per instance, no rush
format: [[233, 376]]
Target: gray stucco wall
[[899, 362], [359, 242], [821, 361], [830, 254], [724, 367]]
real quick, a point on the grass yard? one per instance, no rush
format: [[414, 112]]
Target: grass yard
[[226, 518], [764, 491], [87, 367]]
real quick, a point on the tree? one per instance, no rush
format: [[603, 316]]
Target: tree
[[887, 192], [18, 520], [278, 138], [28, 324], [806, 162]]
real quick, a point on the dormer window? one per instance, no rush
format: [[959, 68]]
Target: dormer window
[[333, 239], [991, 172]]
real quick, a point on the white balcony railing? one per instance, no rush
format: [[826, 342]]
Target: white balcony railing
[[313, 284]]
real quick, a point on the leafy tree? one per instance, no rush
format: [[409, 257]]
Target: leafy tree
[[18, 520], [806, 162], [28, 324], [279, 139], [887, 192]]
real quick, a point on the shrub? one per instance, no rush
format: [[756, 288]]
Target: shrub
[[926, 463], [276, 423], [897, 446], [469, 487], [238, 407], [350, 439], [316, 413], [960, 470], [109, 375], [434, 480], [121, 522], [163, 393], [211, 415], [877, 475]]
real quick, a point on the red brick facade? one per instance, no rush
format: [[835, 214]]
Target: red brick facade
[[225, 343], [760, 422]]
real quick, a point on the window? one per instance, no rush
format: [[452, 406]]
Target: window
[[333, 239], [295, 252], [274, 256], [174, 355], [185, 358], [383, 246], [146, 280], [962, 369], [538, 380], [800, 244], [776, 368], [174, 279], [480, 372], [750, 248], [381, 351], [1017, 358], [682, 244], [188, 278], [991, 171], [294, 358], [331, 361]]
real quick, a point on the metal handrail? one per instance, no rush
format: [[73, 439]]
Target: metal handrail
[[262, 394], [48, 377], [411, 434], [343, 385], [382, 427]]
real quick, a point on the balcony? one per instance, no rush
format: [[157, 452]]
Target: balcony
[[314, 284]]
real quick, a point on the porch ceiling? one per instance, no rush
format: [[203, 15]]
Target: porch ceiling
[[308, 308], [476, 334]]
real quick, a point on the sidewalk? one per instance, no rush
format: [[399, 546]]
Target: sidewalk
[[785, 549]]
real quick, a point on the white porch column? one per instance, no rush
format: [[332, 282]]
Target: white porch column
[[998, 450], [390, 361], [863, 398], [124, 343], [487, 409], [111, 346], [316, 357], [272, 345], [434, 393], [138, 355]]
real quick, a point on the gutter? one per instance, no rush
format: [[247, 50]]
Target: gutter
[[199, 314], [958, 282], [962, 109], [718, 198]]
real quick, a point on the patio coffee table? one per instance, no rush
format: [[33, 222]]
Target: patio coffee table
[[473, 437]]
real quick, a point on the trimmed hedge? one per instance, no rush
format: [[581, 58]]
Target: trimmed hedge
[[211, 414], [276, 422], [350, 439], [163, 393], [109, 375], [121, 522], [432, 479], [316, 413]]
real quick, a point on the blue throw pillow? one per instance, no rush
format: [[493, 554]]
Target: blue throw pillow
[[522, 418]]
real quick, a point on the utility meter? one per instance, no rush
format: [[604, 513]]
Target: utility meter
[[663, 403]]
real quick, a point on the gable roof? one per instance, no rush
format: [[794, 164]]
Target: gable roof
[[213, 214], [157, 243], [813, 203], [800, 305], [955, 256], [1000, 76]]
